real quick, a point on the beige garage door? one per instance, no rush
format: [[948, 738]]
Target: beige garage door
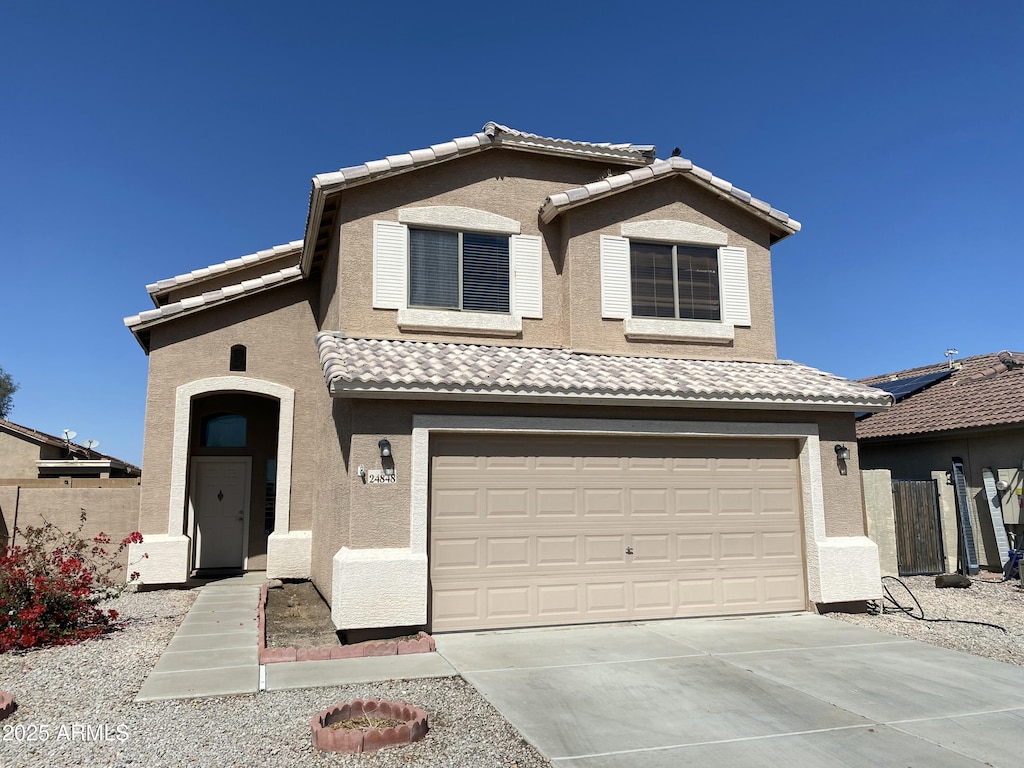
[[544, 529]]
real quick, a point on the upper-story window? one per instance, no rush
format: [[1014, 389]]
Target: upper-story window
[[451, 269], [675, 281], [671, 280], [466, 271]]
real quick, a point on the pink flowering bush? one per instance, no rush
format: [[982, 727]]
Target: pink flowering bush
[[51, 585]]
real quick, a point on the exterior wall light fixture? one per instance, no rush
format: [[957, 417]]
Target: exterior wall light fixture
[[386, 460], [842, 456]]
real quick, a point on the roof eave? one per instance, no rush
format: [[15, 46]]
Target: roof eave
[[518, 395], [144, 325], [784, 227]]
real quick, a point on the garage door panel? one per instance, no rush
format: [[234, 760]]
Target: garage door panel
[[651, 548], [508, 552], [506, 502], [697, 595], [778, 502], [738, 546], [714, 527], [457, 554], [508, 603], [740, 592], [693, 502], [781, 545], [601, 550], [558, 601], [694, 547], [602, 501], [459, 503], [557, 502], [649, 501], [558, 550]]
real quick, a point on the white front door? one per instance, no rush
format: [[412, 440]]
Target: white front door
[[220, 510]]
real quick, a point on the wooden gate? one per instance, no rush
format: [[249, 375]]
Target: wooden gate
[[918, 528]]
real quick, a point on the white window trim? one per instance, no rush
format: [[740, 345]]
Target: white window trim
[[457, 217], [670, 231], [451, 320], [663, 329], [722, 331], [525, 252]]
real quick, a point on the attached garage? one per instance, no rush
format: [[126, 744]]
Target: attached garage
[[530, 530]]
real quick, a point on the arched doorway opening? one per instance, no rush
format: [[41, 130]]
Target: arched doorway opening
[[232, 479]]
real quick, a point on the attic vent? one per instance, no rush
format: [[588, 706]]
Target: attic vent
[[237, 362]]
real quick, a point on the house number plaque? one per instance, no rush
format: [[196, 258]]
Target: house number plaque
[[377, 477]]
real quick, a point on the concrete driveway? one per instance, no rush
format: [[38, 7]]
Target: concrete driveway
[[762, 691]]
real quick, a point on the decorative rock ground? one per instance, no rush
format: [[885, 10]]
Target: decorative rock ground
[[337, 728]]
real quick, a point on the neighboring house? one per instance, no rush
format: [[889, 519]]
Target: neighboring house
[[506, 380], [27, 454], [972, 409]]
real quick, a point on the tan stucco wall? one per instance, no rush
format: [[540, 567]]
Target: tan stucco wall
[[18, 456], [278, 328], [881, 517], [514, 184], [379, 514], [917, 459], [675, 199], [113, 510]]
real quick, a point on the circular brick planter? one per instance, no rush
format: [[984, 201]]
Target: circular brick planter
[[412, 726], [6, 704]]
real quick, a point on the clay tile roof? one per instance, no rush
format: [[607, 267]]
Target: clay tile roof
[[491, 135], [659, 169], [232, 265], [366, 366], [212, 298], [982, 391]]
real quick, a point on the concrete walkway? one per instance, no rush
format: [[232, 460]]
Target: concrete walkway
[[214, 653], [762, 691]]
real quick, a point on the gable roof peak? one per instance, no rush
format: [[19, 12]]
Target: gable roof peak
[[503, 134]]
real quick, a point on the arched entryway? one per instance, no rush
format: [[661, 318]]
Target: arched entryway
[[235, 433], [232, 479]]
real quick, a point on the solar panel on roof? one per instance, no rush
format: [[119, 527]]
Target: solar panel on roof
[[903, 388]]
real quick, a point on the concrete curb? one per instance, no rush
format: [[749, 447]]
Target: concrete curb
[[423, 643]]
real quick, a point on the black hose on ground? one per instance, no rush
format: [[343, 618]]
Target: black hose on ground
[[914, 615]]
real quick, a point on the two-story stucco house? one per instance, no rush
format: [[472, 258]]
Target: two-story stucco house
[[502, 381]]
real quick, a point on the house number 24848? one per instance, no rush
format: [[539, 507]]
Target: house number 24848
[[377, 476]]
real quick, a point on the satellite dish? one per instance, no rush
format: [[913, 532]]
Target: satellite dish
[[70, 434], [92, 444]]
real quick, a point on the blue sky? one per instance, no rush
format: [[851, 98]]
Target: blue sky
[[139, 141]]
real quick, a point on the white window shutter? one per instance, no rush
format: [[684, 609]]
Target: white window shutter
[[390, 265], [527, 265], [615, 291], [732, 262]]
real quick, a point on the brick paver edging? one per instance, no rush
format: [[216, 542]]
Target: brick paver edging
[[413, 726], [6, 704], [423, 643]]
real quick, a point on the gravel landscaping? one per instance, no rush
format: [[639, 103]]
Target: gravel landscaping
[[92, 686], [987, 599], [75, 704]]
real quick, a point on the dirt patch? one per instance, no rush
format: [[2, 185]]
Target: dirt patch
[[298, 617]]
